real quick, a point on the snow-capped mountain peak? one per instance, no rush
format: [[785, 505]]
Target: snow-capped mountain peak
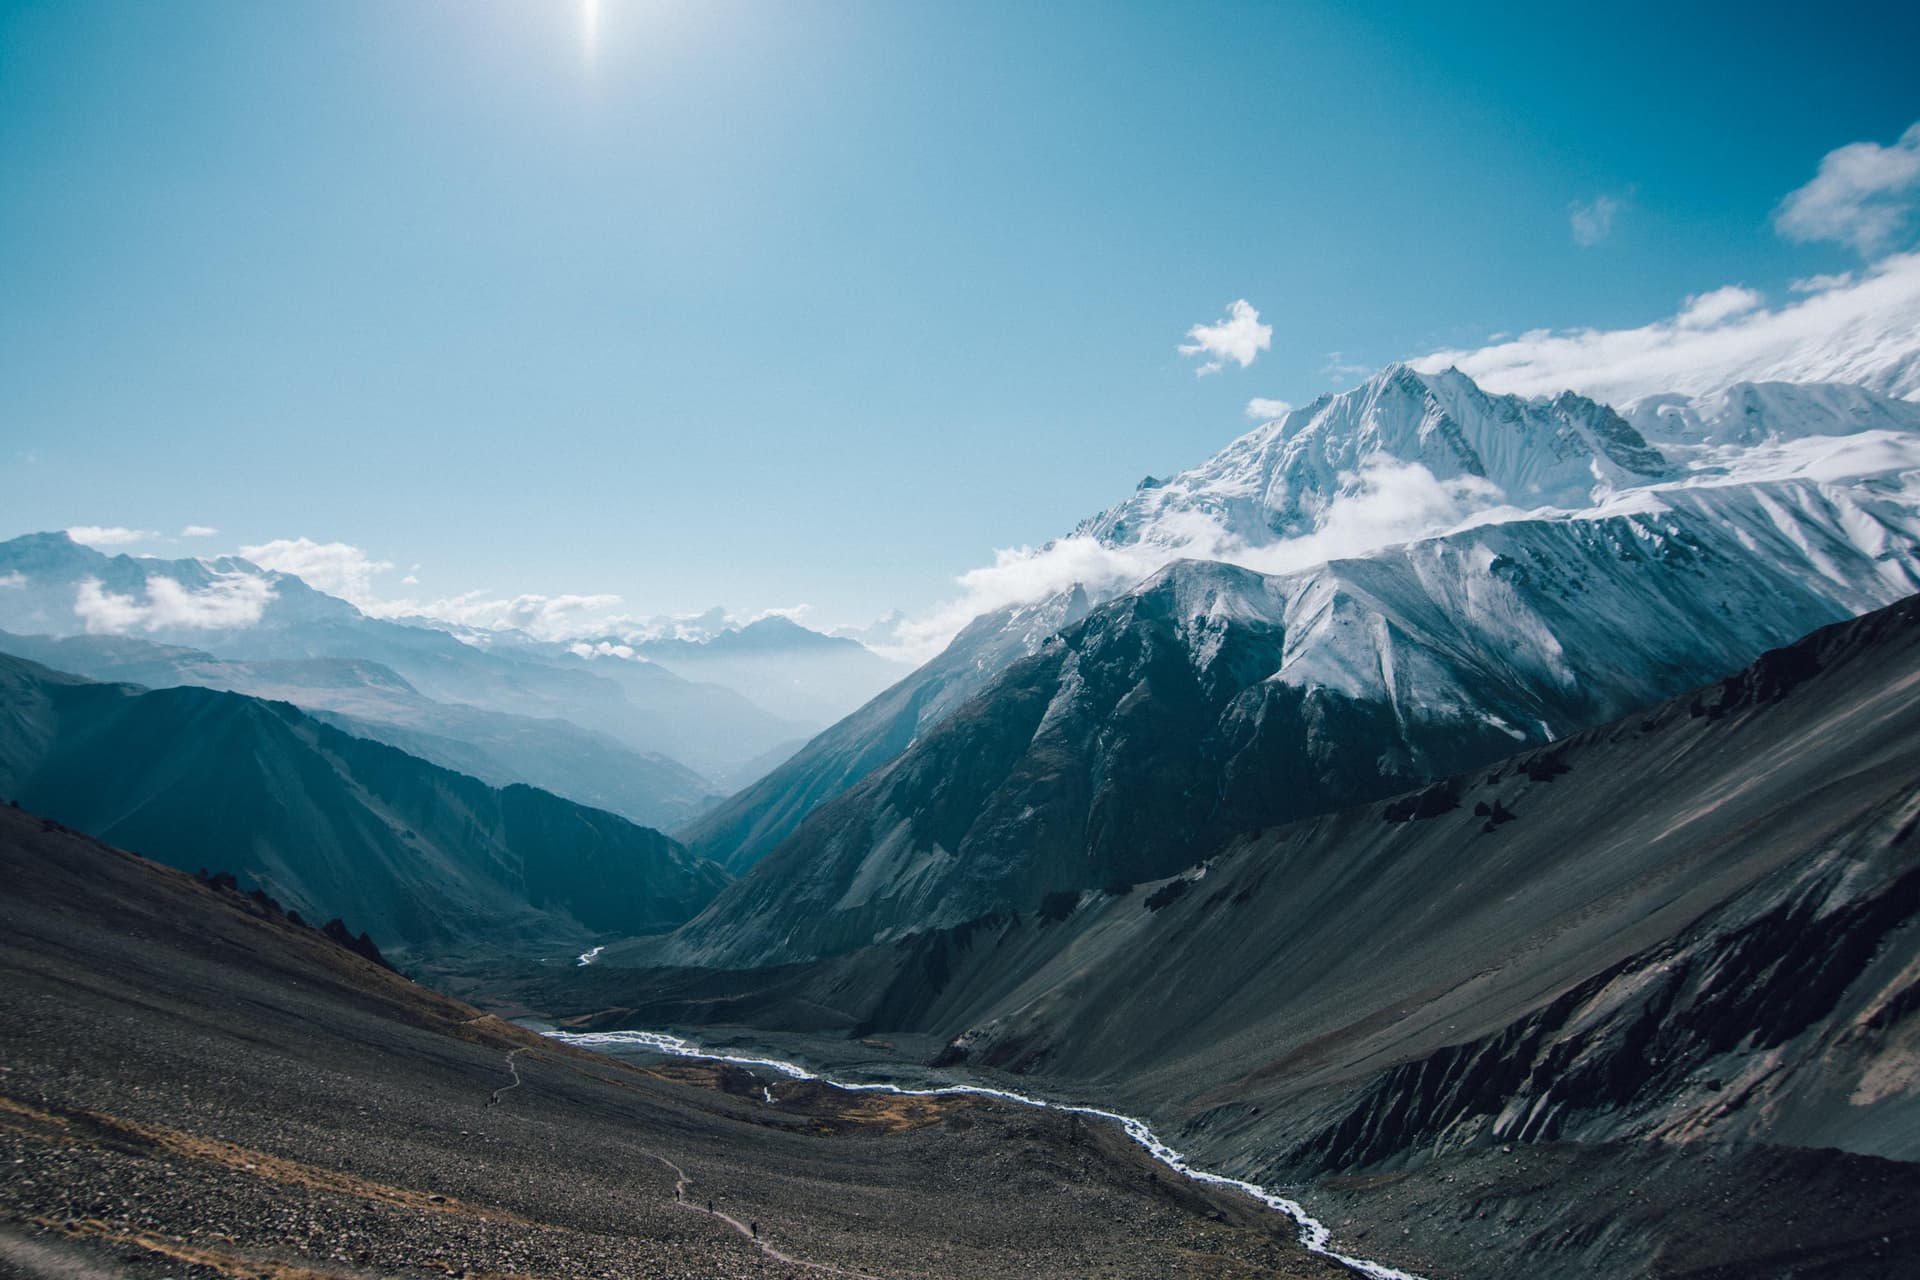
[[1283, 478]]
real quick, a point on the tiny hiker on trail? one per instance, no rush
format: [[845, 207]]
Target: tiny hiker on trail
[[709, 1206], [756, 1230]]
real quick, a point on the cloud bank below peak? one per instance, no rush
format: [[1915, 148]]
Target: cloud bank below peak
[[1382, 503], [1862, 329]]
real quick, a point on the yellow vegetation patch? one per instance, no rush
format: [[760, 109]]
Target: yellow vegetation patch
[[227, 1264], [833, 1109], [113, 1131]]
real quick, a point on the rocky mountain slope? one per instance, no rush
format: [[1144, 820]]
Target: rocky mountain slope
[[192, 1085], [429, 861], [1213, 698], [1638, 1002], [1817, 482], [745, 828]]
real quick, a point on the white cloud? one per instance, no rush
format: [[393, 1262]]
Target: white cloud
[[198, 531], [229, 602], [1238, 336], [1717, 306], [562, 617], [1592, 220], [1338, 366], [1861, 195], [1265, 410], [96, 535], [337, 568], [603, 649], [14, 579], [1822, 283], [1866, 330], [1378, 506], [794, 613]]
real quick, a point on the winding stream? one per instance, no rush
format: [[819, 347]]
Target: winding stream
[[1314, 1235]]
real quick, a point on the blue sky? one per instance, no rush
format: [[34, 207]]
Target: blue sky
[[762, 304]]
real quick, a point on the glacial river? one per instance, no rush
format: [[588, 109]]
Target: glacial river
[[1314, 1235]]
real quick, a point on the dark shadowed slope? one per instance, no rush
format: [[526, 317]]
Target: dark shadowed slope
[[191, 1087], [427, 860], [744, 829], [1605, 1008], [373, 701]]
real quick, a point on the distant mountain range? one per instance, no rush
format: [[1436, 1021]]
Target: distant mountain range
[[431, 862], [796, 673], [373, 701], [750, 697]]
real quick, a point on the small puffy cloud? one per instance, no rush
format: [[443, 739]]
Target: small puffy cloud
[[1592, 220], [97, 535], [16, 579], [230, 602], [1265, 410], [794, 613], [1822, 283], [198, 531], [337, 568], [1717, 306], [1864, 330], [1861, 196], [411, 580], [602, 649], [1238, 336]]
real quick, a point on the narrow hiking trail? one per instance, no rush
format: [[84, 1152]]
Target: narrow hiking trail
[[514, 1071], [682, 1181], [1314, 1235]]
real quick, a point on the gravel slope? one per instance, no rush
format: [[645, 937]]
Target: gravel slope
[[190, 1086]]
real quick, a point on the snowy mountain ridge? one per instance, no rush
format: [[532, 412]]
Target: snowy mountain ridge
[[1439, 552], [1432, 451]]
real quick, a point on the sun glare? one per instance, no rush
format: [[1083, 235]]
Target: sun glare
[[590, 26]]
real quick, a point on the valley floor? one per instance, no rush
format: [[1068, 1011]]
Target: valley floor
[[190, 1087]]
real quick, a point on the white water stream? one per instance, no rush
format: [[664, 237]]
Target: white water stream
[[1314, 1235]]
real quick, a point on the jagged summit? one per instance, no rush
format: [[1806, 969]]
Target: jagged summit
[[1282, 479]]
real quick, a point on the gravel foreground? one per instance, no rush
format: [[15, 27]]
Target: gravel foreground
[[192, 1087]]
